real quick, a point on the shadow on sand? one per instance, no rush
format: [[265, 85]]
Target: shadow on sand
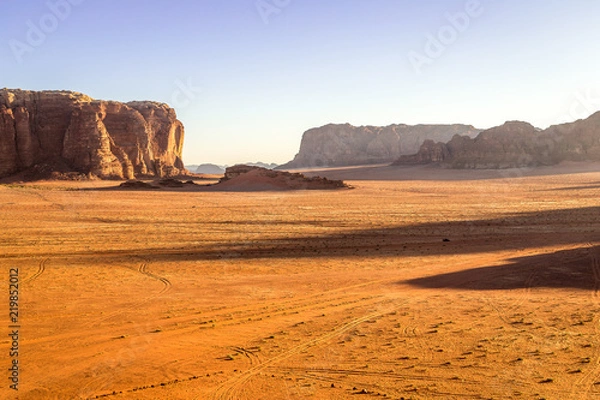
[[570, 268], [577, 269], [434, 172]]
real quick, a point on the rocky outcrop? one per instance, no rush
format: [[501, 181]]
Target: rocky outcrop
[[342, 145], [72, 131], [249, 178], [515, 144]]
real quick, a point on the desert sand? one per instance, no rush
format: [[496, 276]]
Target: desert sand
[[417, 284]]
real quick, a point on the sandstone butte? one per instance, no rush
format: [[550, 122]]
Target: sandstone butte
[[248, 178], [515, 144], [337, 145], [71, 132]]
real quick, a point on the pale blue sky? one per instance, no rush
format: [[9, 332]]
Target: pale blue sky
[[256, 86]]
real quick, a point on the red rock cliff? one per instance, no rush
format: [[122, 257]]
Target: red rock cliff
[[105, 138], [515, 145]]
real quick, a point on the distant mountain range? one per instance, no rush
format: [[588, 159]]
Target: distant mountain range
[[213, 169], [342, 145], [514, 144]]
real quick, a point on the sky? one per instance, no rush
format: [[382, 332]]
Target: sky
[[248, 77]]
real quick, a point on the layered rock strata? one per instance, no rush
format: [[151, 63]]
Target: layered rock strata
[[70, 131]]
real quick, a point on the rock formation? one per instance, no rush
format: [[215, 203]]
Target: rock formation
[[515, 144], [342, 145], [213, 169], [247, 178], [210, 169], [73, 132]]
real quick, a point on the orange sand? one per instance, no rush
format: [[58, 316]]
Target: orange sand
[[309, 295]]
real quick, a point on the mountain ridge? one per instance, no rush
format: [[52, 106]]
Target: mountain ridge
[[336, 145], [514, 144]]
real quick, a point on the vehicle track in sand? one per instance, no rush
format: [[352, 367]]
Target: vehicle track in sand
[[57, 340], [504, 311], [39, 272], [250, 353], [328, 374], [256, 363], [378, 374], [228, 389], [320, 307], [318, 302], [41, 269], [322, 302], [307, 303], [142, 269]]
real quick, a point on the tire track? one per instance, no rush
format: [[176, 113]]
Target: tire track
[[302, 308], [416, 335], [306, 304], [228, 316], [41, 269], [249, 353], [226, 390], [375, 388], [516, 303], [142, 269], [54, 204], [391, 375]]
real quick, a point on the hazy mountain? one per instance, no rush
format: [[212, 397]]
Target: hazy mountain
[[515, 144], [209, 169], [341, 145], [213, 169]]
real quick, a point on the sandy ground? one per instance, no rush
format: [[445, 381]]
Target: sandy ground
[[308, 295]]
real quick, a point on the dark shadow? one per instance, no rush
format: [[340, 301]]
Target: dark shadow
[[434, 172], [199, 188], [570, 188], [578, 269], [153, 187], [521, 231]]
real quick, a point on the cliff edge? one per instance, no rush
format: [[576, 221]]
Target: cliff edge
[[71, 132]]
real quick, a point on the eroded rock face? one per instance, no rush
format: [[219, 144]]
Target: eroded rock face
[[342, 145], [513, 145], [104, 138], [246, 177]]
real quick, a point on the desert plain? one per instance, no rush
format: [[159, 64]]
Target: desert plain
[[417, 284]]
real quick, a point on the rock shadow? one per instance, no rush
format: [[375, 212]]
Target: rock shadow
[[576, 269]]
